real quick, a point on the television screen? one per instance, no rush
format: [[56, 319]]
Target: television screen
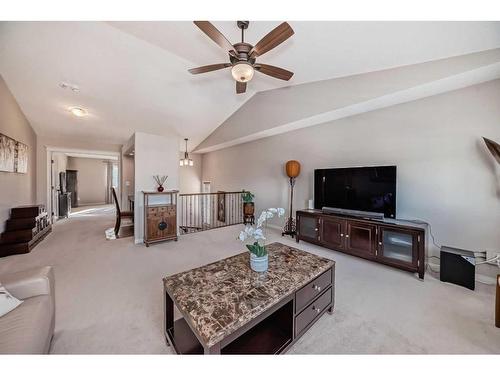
[[362, 188]]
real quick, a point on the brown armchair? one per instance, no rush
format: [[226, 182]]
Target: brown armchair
[[120, 214]]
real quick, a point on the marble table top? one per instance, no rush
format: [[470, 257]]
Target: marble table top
[[218, 298]]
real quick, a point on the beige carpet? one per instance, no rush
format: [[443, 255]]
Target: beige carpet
[[109, 296]]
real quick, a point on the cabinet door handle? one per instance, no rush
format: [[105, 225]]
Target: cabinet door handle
[[341, 234], [380, 243], [346, 236], [316, 229]]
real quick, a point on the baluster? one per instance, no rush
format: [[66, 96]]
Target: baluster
[[233, 219], [198, 211], [203, 211], [216, 216], [190, 210]]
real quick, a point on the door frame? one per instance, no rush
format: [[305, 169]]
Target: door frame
[[48, 185]]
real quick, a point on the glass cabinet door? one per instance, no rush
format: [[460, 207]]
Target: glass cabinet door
[[398, 246], [308, 227]]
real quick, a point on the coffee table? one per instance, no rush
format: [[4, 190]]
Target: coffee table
[[227, 308]]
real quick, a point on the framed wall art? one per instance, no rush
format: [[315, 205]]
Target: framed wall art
[[13, 155]]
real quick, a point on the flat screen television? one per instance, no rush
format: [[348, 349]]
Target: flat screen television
[[361, 188]]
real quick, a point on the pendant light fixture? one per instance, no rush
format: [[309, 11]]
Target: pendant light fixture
[[186, 161]]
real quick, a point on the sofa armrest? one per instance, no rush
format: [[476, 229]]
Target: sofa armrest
[[29, 283]]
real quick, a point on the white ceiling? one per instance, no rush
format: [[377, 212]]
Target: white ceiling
[[133, 75]]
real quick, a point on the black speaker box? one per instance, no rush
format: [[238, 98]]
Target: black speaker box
[[458, 266]]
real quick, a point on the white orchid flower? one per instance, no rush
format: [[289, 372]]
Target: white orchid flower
[[261, 219], [259, 235], [249, 230], [243, 236], [257, 232]]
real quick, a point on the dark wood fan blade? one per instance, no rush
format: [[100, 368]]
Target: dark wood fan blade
[[241, 87], [274, 71], [208, 68], [271, 40], [216, 36], [493, 147]]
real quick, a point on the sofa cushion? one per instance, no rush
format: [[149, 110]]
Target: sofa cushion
[[7, 301], [28, 328]]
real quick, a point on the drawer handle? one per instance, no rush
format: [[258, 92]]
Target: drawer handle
[[341, 234], [316, 229], [316, 287], [346, 236], [380, 243], [317, 310]]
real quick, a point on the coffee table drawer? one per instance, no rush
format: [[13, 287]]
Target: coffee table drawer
[[306, 294], [312, 311]]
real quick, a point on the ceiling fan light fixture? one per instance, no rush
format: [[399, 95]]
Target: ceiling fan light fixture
[[242, 71]]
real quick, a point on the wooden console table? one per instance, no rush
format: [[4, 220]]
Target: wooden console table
[[160, 216], [227, 309]]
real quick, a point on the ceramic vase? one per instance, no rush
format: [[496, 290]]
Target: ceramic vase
[[259, 264]]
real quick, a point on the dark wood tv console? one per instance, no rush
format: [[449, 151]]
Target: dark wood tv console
[[391, 242]]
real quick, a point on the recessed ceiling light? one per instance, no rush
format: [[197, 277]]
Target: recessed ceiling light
[[78, 112]]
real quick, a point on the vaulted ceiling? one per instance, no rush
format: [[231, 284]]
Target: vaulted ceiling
[[133, 75]]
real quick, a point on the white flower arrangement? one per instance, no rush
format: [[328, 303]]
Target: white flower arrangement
[[257, 233]]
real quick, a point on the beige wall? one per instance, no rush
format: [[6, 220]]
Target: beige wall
[[127, 172], [127, 180], [190, 177], [16, 188], [154, 155], [445, 174], [92, 179]]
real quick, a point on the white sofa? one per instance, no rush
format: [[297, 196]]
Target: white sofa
[[28, 329]]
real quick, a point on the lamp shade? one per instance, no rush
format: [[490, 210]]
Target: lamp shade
[[292, 168]]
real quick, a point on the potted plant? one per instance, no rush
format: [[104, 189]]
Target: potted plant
[[259, 260], [248, 205]]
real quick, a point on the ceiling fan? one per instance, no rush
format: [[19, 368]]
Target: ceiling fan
[[242, 56]]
